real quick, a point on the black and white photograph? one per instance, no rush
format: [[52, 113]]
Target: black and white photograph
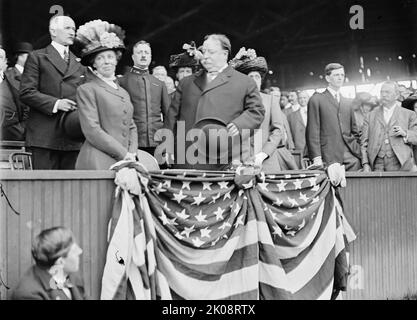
[[224, 152]]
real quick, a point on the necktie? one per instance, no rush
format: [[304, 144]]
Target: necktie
[[66, 55], [337, 97]]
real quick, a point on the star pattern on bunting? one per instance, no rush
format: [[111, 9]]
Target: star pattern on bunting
[[201, 217], [164, 218], [186, 185], [188, 230], [159, 188], [263, 186], [197, 242], [316, 199], [303, 197], [312, 181], [292, 202], [224, 225], [219, 213], [315, 188], [281, 185], [198, 199], [206, 185], [239, 221], [297, 184], [205, 233], [178, 236], [277, 231], [227, 195], [278, 202], [223, 184], [182, 214], [179, 196], [248, 185], [237, 208], [214, 198]]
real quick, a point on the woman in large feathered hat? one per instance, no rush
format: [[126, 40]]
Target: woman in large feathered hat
[[105, 109], [186, 63], [272, 154]]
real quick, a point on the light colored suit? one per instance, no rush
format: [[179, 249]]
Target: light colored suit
[[106, 117], [273, 135], [298, 130], [373, 136]]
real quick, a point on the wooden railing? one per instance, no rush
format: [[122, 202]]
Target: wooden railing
[[382, 208]]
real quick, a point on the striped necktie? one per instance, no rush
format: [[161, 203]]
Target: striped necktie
[[66, 56]]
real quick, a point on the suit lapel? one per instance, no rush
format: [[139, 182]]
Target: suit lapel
[[300, 118], [46, 280], [74, 65], [200, 80], [380, 116], [395, 116], [331, 99], [14, 78], [54, 57], [221, 79]]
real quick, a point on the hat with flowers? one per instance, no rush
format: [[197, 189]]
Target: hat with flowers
[[96, 36], [190, 58], [247, 61]]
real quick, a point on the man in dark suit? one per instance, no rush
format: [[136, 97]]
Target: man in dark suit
[[13, 76], [149, 97], [298, 121], [10, 113], [218, 91], [48, 86], [332, 136]]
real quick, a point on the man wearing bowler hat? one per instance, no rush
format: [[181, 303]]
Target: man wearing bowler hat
[[219, 92], [14, 76], [48, 86]]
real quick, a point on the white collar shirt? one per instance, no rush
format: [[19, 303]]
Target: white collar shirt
[[303, 112], [19, 68], [388, 112], [335, 94], [60, 48]]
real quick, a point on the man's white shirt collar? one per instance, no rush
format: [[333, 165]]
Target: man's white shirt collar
[[19, 67], [295, 107], [334, 92], [60, 48], [389, 112], [1, 76]]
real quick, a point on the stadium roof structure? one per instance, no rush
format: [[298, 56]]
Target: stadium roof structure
[[297, 37]]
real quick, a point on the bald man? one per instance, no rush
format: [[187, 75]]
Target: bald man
[[48, 86]]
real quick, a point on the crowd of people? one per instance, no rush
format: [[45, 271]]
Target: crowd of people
[[76, 113]]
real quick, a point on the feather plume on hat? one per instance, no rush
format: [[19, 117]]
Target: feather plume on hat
[[97, 36], [190, 58], [247, 61]]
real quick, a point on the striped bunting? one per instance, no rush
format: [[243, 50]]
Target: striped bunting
[[223, 235]]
